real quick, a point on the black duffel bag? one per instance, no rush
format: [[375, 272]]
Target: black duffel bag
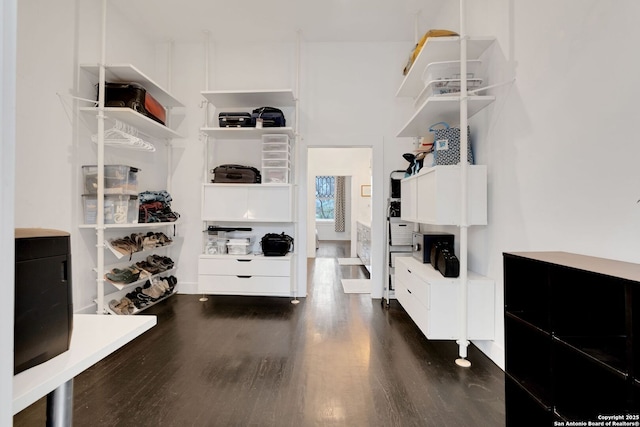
[[276, 244], [271, 117]]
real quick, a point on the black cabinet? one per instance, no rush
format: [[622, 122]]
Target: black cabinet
[[572, 343]]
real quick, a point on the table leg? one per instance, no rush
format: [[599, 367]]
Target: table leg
[[60, 406]]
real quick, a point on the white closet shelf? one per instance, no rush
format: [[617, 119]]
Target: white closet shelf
[[121, 294], [441, 108], [246, 133], [121, 286], [247, 256], [438, 49], [143, 124], [250, 98], [129, 73], [133, 225]]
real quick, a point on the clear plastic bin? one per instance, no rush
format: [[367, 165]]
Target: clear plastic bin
[[118, 209], [450, 70], [238, 248], [118, 179], [277, 146], [275, 163], [275, 155], [275, 138], [275, 175]]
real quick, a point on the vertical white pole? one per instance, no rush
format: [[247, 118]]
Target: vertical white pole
[[296, 141], [463, 342], [100, 192], [168, 142], [205, 138]]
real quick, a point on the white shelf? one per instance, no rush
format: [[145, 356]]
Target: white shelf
[[438, 49], [142, 123], [246, 133], [120, 255], [121, 286], [94, 337], [129, 73], [441, 108], [120, 294], [133, 225], [250, 98], [247, 256]]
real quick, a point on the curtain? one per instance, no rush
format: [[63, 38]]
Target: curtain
[[339, 204]]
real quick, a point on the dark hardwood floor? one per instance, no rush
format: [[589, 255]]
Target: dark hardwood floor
[[333, 360]]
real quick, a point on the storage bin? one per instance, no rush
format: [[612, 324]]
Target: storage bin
[[238, 248], [278, 146], [275, 138], [275, 175], [275, 155], [118, 179], [267, 163], [450, 70], [118, 209]]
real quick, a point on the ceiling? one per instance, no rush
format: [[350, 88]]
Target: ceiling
[[279, 20]]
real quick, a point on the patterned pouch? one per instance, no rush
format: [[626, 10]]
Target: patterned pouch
[[446, 146]]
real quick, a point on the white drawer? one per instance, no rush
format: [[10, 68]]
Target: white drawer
[[407, 275], [245, 266], [414, 308], [244, 285]]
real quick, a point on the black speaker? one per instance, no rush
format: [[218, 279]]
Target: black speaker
[[43, 300]]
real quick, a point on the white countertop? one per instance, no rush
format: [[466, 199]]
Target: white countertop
[[94, 337]]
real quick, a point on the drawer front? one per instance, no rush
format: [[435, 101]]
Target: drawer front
[[411, 281], [244, 285], [414, 308], [256, 266]]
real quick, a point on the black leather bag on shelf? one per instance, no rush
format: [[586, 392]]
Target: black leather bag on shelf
[[236, 120], [436, 247], [271, 117], [276, 244], [448, 263], [227, 174]]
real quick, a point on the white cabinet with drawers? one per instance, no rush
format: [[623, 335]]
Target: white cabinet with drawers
[[433, 301], [245, 275]]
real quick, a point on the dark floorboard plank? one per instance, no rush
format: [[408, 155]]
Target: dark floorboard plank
[[333, 360]]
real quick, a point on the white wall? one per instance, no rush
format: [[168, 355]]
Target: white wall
[[8, 20]]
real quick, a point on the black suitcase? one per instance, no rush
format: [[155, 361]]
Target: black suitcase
[[276, 244], [134, 96], [225, 174], [236, 120], [271, 117]]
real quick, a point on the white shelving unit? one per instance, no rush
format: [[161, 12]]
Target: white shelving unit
[[471, 208], [96, 118], [265, 206]]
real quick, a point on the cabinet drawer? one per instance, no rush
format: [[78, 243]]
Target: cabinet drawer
[[247, 202], [244, 266], [406, 274], [244, 285], [414, 308]]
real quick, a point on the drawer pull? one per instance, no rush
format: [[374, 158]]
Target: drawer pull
[[243, 277], [409, 271], [409, 290], [244, 260]]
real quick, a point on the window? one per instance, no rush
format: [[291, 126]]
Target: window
[[325, 197]]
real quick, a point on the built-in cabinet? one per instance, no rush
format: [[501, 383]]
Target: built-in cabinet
[[107, 257], [572, 339], [434, 196], [433, 301], [262, 207]]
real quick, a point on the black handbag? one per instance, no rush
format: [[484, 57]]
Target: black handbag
[[448, 263], [270, 116], [276, 244]]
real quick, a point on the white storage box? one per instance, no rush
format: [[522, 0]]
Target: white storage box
[[118, 179], [238, 248], [400, 233], [450, 70], [275, 138], [275, 163], [118, 209], [275, 175], [278, 146], [275, 155]]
